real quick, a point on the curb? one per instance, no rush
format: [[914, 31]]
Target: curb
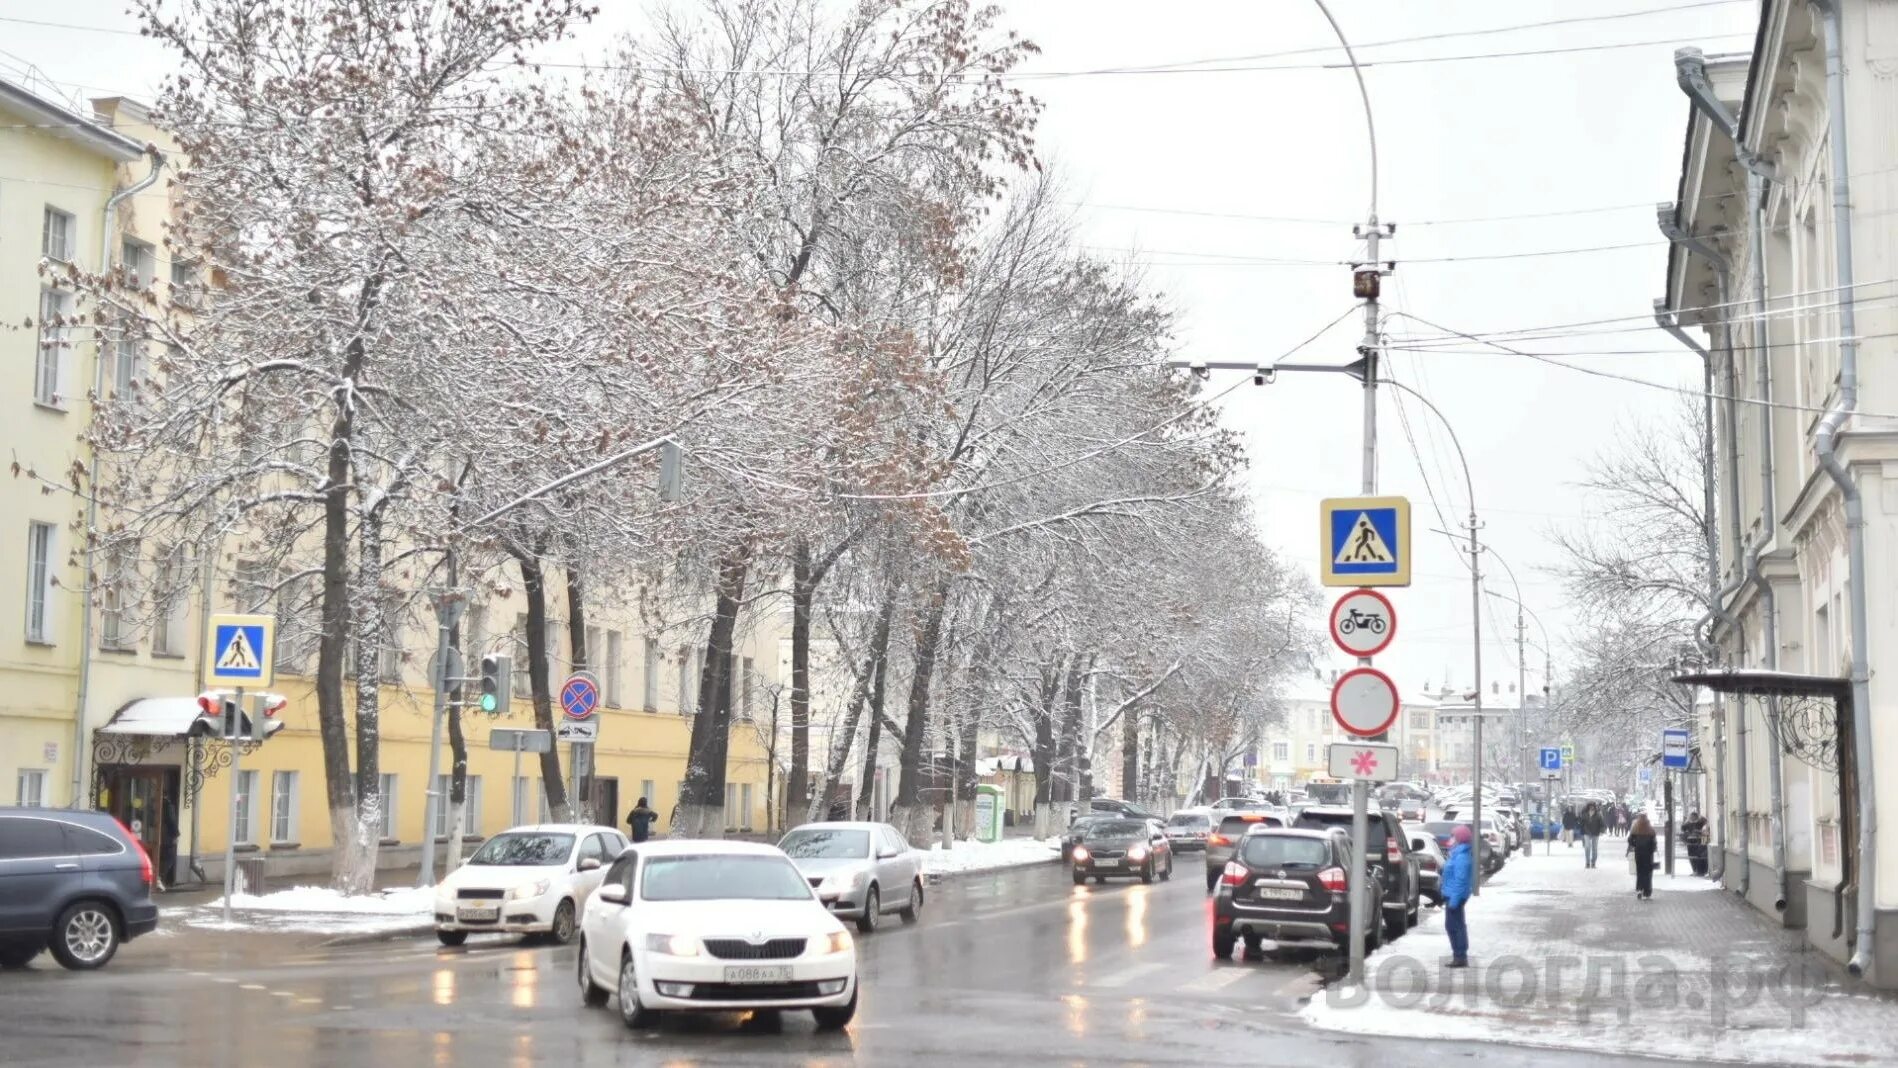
[[934, 878], [388, 934]]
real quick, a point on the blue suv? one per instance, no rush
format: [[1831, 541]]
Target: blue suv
[[74, 882]]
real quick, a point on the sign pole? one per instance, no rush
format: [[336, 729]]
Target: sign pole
[[429, 830], [1360, 792], [237, 783]]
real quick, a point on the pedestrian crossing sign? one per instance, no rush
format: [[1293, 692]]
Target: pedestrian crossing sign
[[1364, 541], [242, 650]]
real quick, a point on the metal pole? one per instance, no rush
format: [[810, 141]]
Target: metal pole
[[1476, 632], [237, 783], [514, 785], [1360, 899], [429, 830]]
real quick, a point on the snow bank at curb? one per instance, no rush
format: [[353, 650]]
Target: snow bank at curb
[[989, 856], [404, 901]]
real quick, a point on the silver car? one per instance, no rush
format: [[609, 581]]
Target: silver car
[[861, 871]]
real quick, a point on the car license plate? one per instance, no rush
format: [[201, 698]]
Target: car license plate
[[479, 914], [1107, 863], [752, 973], [1273, 893]]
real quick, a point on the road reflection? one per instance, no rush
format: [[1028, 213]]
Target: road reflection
[[1077, 928], [443, 986], [1077, 1007], [1137, 915]]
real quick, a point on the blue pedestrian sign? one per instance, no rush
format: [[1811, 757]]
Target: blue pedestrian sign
[[1674, 747], [1551, 758], [242, 650], [1364, 541]]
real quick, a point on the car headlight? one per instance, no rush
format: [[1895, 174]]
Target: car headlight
[[841, 881], [838, 942], [1137, 854], [672, 945], [527, 890], [1080, 854]]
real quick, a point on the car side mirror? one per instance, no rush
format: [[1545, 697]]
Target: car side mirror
[[613, 893], [888, 854], [1418, 845], [589, 864]]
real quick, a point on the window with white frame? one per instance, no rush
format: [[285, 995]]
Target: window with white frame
[[170, 577], [443, 784], [392, 621], [523, 799], [471, 809], [57, 235], [744, 805], [39, 582], [523, 679], [185, 287], [731, 806], [128, 353], [650, 683], [54, 340], [118, 576], [138, 260], [283, 806], [685, 682], [388, 794], [610, 675], [245, 826], [746, 672], [647, 791], [30, 791], [1281, 752], [596, 652], [1311, 752]]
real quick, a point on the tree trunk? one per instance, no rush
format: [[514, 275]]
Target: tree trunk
[[346, 871], [1130, 756], [879, 675], [860, 694], [365, 830], [701, 811], [582, 660], [966, 777], [908, 813], [803, 593], [458, 761], [534, 582], [1071, 740], [1085, 732], [1044, 753]]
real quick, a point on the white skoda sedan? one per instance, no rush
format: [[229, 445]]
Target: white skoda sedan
[[714, 926], [530, 880]]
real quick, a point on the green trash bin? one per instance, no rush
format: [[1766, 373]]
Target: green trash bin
[[988, 813]]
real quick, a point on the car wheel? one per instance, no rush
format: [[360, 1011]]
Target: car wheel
[[838, 1017], [592, 994], [1212, 880], [451, 938], [872, 911], [1080, 878], [563, 928], [1396, 926], [1146, 873], [1223, 943], [19, 954], [914, 909], [1167, 875], [85, 936], [631, 1012]]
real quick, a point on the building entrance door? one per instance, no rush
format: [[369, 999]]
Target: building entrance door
[[145, 799]]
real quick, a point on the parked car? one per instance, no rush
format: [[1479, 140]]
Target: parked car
[[714, 926], [1491, 853], [1076, 829], [1119, 848], [1224, 838], [1112, 806], [1188, 829], [75, 882], [531, 880], [1288, 886], [1396, 868], [859, 870], [1430, 858]]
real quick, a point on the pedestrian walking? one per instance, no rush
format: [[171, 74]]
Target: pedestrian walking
[[1621, 821], [1592, 827], [1641, 847], [640, 820], [1568, 826], [1459, 875], [1694, 833]]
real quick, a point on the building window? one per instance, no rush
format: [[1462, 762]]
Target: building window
[[744, 806], [443, 784], [246, 825], [56, 235], [1311, 752], [391, 641], [31, 788], [731, 806], [169, 601], [387, 788], [471, 808], [609, 677], [1281, 752], [522, 675], [139, 262], [745, 674], [113, 633], [685, 682], [128, 353], [283, 806], [523, 798], [185, 289], [39, 579], [647, 791], [650, 682], [48, 367]]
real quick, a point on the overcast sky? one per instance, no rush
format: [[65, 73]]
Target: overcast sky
[[1592, 121]]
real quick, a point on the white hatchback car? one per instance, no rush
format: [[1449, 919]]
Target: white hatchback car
[[529, 880], [714, 926]]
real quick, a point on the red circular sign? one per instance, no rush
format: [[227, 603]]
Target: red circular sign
[[1364, 701], [1363, 622]]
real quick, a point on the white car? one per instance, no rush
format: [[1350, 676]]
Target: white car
[[714, 926], [860, 870], [529, 880]]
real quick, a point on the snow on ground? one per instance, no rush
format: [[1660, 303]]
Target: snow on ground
[[984, 856], [316, 910], [402, 901], [1703, 977]]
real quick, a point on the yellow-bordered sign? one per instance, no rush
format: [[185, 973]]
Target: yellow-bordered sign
[[243, 650], [1364, 541]]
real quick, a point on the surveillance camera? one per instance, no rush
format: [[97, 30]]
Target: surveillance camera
[[1200, 370], [1264, 376]]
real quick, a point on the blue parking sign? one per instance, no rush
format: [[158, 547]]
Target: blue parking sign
[[1551, 758]]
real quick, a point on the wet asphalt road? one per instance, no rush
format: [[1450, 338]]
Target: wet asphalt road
[[1017, 967]]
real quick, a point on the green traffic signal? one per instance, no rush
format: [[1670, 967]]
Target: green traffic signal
[[488, 703], [495, 683]]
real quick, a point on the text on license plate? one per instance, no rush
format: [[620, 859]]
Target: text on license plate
[[479, 914], [1110, 863], [752, 973], [1273, 893]]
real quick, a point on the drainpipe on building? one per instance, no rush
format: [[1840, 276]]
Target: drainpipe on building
[[79, 797], [1826, 444]]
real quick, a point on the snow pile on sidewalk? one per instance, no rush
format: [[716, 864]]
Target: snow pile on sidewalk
[[970, 856], [319, 910], [1565, 957]]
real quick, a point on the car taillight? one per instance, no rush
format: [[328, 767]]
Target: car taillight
[[1234, 875], [1218, 839], [144, 858], [1332, 879], [1392, 851]]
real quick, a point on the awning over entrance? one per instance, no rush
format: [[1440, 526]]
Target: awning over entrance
[[167, 717]]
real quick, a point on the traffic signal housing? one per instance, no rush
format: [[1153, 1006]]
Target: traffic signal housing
[[495, 683], [220, 713]]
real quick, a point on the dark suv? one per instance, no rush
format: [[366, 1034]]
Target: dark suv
[[1288, 886], [75, 882], [1392, 864]]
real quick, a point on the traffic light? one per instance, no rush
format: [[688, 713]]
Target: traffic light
[[269, 706], [220, 713], [495, 689]]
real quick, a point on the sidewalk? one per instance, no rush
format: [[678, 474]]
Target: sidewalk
[[1566, 957]]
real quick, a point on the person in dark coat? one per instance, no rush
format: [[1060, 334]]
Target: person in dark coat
[[640, 820], [1592, 827], [1641, 845], [1694, 833], [1569, 823]]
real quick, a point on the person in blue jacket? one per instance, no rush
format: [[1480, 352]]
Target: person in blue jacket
[[1459, 872]]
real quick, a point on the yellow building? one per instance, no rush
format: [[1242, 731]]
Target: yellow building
[[101, 692]]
